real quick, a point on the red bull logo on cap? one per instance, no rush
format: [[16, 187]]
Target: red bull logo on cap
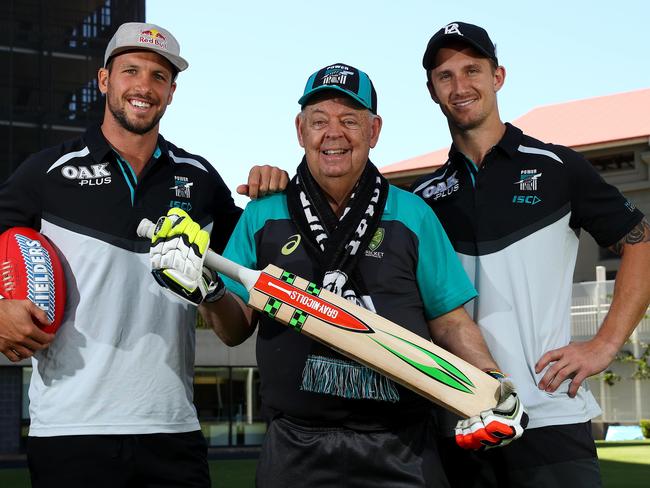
[[153, 36]]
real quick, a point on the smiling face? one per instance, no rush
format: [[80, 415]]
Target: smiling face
[[337, 136], [464, 84], [138, 87]]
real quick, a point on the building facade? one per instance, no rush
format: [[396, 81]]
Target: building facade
[[50, 52]]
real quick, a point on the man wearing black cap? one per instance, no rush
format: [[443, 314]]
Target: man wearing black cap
[[111, 393], [334, 422], [512, 207]]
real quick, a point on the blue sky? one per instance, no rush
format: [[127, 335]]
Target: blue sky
[[249, 61]]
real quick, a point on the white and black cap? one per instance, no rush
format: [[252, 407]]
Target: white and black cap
[[133, 36], [475, 36]]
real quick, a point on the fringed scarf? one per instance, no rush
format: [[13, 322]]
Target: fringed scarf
[[336, 245]]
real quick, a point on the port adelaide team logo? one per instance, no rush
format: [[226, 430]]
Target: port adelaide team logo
[[182, 188], [528, 182]]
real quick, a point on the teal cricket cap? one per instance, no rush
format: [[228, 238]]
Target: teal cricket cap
[[343, 78]]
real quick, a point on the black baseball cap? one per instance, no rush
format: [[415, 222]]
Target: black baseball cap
[[343, 78], [475, 36]]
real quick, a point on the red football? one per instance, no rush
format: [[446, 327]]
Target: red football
[[30, 269]]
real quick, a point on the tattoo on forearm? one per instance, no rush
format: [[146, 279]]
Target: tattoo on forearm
[[640, 233]]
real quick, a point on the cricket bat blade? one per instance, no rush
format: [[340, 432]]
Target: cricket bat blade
[[361, 335]]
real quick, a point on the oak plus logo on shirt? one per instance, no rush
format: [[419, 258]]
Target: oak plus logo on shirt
[[93, 175], [439, 187]]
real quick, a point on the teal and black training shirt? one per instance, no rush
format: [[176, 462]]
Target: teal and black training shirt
[[410, 270]]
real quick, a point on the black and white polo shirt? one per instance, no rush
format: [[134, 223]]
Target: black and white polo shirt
[[514, 222], [122, 362]]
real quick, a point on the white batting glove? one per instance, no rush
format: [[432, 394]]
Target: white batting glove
[[498, 426], [178, 247]]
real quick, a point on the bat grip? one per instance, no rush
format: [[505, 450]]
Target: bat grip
[[214, 261]]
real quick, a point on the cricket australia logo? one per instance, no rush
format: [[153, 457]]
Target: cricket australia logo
[[528, 180], [374, 244], [182, 186]]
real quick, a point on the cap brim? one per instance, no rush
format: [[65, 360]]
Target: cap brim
[[429, 58], [303, 100], [177, 62]]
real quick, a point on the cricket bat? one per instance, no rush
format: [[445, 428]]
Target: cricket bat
[[361, 335]]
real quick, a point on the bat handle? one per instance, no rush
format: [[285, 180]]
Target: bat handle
[[214, 261]]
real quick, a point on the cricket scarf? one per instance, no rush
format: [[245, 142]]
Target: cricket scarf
[[336, 245]]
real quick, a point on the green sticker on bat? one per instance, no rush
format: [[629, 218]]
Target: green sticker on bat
[[446, 373], [271, 307], [288, 277], [313, 289], [297, 320]]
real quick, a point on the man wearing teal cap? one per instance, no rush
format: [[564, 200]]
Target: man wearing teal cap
[[334, 422]]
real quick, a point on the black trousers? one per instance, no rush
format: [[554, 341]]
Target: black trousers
[[296, 455], [546, 457], [119, 461]]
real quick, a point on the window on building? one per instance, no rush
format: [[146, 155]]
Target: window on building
[[248, 426], [614, 162], [228, 404]]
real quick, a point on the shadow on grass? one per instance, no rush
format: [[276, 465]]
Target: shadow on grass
[[233, 474], [14, 478], [224, 474], [241, 474]]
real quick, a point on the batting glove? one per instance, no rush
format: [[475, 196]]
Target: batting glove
[[498, 426], [178, 247]]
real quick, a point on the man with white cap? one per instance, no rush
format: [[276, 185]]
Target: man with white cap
[[111, 393]]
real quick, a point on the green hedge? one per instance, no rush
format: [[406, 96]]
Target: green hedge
[[645, 427]]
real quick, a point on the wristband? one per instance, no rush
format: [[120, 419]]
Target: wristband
[[495, 373], [216, 288]]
